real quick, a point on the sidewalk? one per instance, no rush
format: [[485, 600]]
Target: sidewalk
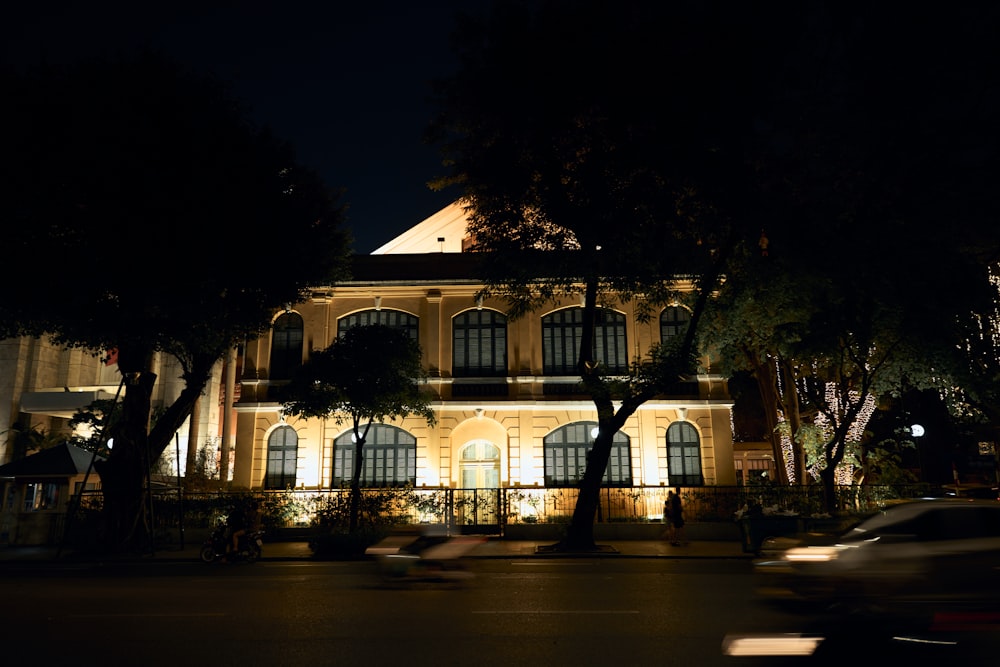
[[492, 548]]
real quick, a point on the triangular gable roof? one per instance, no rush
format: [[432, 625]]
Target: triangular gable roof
[[63, 460], [442, 232]]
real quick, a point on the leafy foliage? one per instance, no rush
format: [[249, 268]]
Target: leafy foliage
[[583, 175], [96, 423], [371, 373], [560, 153], [136, 184], [833, 168], [873, 171], [977, 399], [129, 167], [29, 439]]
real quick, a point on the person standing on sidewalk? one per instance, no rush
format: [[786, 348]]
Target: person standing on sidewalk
[[673, 512], [668, 528]]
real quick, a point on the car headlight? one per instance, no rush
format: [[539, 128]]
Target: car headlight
[[813, 554]]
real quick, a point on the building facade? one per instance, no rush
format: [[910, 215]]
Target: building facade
[[42, 385], [506, 396]]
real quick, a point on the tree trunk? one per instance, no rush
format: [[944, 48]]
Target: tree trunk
[[828, 479], [354, 512], [790, 404], [767, 385], [580, 535], [125, 474], [194, 436], [167, 423]]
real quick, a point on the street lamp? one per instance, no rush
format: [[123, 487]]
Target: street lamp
[[917, 430]]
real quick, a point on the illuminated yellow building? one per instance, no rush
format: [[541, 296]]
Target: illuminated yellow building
[[509, 411], [508, 406]]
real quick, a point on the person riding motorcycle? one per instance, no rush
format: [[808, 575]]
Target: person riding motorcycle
[[240, 522]]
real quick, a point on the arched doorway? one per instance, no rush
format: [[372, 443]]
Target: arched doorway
[[477, 501]]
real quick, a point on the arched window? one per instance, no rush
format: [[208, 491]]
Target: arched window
[[684, 455], [479, 346], [286, 346], [389, 458], [673, 322], [566, 451], [282, 458], [391, 318], [480, 465], [561, 333]]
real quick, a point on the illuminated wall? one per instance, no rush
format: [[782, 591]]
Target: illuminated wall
[[515, 422]]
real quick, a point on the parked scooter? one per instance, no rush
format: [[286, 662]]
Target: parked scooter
[[429, 555], [215, 546]]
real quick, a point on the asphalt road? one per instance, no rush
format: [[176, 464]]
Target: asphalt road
[[550, 611]]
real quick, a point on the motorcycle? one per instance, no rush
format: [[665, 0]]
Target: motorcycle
[[215, 546], [423, 557]]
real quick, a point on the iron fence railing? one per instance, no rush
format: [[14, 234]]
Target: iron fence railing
[[490, 510]]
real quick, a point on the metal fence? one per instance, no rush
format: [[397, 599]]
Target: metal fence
[[490, 510]]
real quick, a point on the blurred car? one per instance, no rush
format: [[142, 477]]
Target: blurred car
[[971, 491], [929, 559]]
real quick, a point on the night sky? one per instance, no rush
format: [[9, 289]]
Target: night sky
[[346, 84]]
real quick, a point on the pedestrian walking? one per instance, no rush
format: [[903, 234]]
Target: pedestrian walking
[[668, 529], [673, 512]]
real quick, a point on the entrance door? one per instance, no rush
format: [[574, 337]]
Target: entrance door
[[477, 502]]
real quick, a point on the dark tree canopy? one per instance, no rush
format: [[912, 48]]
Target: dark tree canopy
[[874, 176], [651, 140], [143, 211], [578, 125], [600, 148], [140, 196], [371, 373]]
